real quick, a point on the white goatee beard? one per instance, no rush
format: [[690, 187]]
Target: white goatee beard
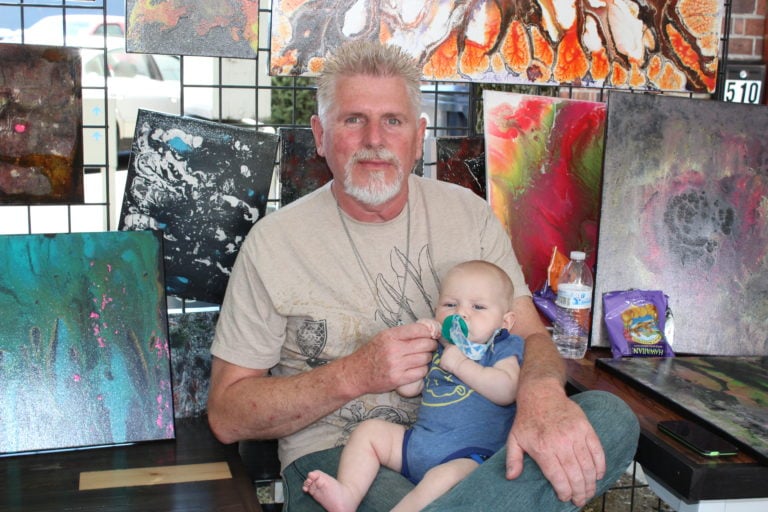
[[377, 190]]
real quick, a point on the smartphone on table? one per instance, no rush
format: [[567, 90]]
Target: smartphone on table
[[698, 438]]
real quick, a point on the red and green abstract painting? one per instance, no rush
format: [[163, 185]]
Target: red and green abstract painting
[[543, 170], [84, 355]]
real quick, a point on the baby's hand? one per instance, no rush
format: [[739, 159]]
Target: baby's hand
[[433, 325], [452, 358]]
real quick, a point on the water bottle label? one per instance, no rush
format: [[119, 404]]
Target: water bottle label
[[574, 296]]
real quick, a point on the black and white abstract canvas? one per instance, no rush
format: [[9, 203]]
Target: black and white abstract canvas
[[204, 185]]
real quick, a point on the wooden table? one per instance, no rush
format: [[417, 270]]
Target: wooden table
[[696, 481], [52, 481]]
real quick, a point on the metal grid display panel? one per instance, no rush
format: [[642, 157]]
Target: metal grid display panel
[[104, 169]]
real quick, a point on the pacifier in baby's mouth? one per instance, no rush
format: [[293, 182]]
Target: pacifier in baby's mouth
[[455, 331]]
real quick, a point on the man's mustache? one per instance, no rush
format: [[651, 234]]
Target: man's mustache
[[376, 154]]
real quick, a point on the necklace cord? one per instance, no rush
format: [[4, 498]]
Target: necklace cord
[[369, 280]]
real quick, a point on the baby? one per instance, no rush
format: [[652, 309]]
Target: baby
[[467, 405]]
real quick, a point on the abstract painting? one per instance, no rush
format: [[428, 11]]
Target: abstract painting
[[84, 358], [41, 146], [684, 211], [191, 335], [544, 165], [727, 392], [204, 185], [461, 160], [653, 44], [228, 28], [302, 170]]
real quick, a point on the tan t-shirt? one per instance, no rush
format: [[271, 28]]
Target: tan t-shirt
[[298, 297]]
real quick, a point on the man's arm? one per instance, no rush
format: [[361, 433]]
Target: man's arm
[[549, 427], [249, 404]]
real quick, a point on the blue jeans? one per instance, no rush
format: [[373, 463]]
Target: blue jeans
[[486, 488]]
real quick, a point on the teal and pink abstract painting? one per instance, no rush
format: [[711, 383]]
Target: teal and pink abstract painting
[[84, 353], [544, 166], [684, 210]]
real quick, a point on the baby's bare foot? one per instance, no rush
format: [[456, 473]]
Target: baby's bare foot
[[329, 492]]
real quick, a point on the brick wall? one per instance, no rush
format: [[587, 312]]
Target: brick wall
[[748, 31]]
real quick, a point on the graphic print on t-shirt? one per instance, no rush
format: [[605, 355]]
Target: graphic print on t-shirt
[[311, 339]]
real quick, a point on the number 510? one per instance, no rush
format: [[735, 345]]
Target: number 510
[[743, 91]]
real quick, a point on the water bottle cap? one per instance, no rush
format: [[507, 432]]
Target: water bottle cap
[[578, 255]]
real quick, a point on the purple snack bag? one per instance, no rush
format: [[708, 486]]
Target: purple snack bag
[[635, 323], [544, 300]]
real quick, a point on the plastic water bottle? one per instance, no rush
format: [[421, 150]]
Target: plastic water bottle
[[574, 302]]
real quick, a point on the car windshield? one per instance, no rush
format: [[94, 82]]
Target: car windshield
[[76, 26], [169, 66], [113, 29], [126, 65]]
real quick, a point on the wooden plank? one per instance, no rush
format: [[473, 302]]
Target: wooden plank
[[153, 475]]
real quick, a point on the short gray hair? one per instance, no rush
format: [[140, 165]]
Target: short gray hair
[[364, 57]]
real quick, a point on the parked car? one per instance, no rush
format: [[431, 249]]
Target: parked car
[[133, 81], [50, 29]]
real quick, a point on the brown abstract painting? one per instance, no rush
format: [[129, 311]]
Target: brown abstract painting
[[228, 28], [41, 146], [684, 211], [654, 44], [544, 165]]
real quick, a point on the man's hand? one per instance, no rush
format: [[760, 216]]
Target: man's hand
[[393, 358], [554, 431]]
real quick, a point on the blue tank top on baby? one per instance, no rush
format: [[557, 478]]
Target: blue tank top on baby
[[454, 421]]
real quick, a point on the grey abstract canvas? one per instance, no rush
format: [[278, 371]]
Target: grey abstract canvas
[[684, 210]]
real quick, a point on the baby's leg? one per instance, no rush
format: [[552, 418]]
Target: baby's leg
[[438, 480], [374, 443]]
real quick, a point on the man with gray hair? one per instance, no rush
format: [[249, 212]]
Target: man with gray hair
[[318, 327]]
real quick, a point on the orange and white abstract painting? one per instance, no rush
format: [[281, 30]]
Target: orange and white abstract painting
[[670, 45]]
